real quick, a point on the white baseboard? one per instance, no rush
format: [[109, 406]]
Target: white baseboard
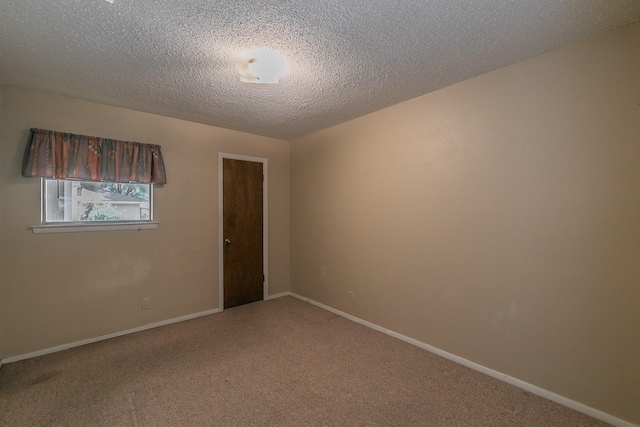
[[108, 336], [280, 295], [118, 334], [564, 401]]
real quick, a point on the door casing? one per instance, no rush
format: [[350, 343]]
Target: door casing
[[265, 222]]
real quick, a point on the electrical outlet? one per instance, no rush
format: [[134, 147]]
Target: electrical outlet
[[351, 296], [145, 303]]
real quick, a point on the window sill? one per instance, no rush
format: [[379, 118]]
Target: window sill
[[81, 228]]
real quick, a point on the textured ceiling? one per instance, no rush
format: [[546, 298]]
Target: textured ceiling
[[348, 57]]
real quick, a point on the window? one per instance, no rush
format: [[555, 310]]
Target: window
[[89, 202], [91, 183]]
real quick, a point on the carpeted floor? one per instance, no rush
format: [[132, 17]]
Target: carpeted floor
[[278, 363]]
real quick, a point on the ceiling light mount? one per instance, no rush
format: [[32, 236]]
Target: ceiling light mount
[[263, 66]]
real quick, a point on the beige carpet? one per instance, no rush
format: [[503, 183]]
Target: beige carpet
[[278, 363]]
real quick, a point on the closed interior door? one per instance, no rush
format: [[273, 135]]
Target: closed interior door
[[242, 232]]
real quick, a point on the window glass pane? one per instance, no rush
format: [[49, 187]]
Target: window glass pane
[[82, 201]]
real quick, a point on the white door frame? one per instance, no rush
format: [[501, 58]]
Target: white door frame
[[265, 223]]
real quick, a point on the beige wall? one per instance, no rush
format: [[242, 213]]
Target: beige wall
[[60, 288], [497, 219]]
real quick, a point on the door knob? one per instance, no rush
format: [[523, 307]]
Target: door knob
[[227, 241]]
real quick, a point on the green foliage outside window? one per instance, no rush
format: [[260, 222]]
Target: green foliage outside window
[[100, 212]]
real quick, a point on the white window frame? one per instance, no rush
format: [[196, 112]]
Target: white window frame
[[75, 227]]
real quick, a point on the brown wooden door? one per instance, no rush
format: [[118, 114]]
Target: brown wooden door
[[242, 232]]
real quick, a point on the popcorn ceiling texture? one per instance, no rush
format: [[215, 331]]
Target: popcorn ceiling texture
[[348, 58]]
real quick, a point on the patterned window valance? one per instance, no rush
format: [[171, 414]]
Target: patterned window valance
[[62, 155]]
